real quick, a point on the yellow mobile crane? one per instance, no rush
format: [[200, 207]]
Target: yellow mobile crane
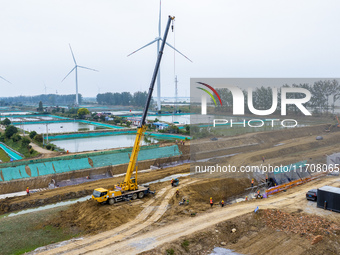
[[129, 189]]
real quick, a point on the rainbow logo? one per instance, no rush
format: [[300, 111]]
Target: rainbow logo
[[209, 93]]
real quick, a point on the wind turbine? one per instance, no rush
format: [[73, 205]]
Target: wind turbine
[[4, 79], [76, 70], [158, 39]]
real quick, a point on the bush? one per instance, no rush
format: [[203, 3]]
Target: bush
[[16, 137], [25, 142], [170, 252], [32, 134], [48, 146], [38, 138], [185, 245]]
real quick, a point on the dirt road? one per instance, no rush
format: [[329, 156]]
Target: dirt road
[[127, 240]]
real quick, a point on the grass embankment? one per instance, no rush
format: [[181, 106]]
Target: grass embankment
[[3, 156], [22, 149], [24, 233]]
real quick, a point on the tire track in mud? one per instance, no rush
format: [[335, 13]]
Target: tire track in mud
[[135, 244], [145, 218], [159, 236]]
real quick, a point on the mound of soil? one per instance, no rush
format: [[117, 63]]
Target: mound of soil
[[91, 217], [199, 194]]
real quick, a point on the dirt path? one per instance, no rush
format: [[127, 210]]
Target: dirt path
[[152, 212], [128, 241], [45, 153]]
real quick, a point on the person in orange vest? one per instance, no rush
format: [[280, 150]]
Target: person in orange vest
[[28, 191], [172, 182], [177, 193], [211, 202], [246, 198], [222, 203], [263, 159], [266, 179], [252, 182]]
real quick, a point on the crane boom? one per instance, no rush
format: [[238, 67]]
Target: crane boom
[[130, 183]]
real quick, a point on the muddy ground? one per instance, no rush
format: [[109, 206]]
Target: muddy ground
[[295, 145], [258, 233], [80, 190]]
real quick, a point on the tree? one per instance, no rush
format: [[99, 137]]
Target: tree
[[6, 122], [25, 142], [16, 137], [39, 138], [40, 108], [10, 130], [32, 134], [82, 112]]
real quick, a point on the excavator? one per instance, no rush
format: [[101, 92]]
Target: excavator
[[129, 189]]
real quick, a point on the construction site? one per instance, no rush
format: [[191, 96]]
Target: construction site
[[160, 224], [214, 174]]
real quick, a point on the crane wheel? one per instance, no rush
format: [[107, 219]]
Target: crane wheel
[[134, 196], [141, 194], [111, 201]]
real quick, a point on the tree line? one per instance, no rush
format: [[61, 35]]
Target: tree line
[[46, 99], [125, 98], [325, 95]]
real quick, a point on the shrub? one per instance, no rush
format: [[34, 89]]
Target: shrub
[[25, 142], [32, 134], [16, 137], [39, 138], [48, 146]]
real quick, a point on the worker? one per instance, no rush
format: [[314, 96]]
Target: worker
[[222, 203], [246, 198], [28, 191], [177, 193], [263, 159], [266, 178], [211, 202], [172, 182], [252, 182]]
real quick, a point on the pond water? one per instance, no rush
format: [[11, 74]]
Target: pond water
[[61, 127], [101, 142], [181, 119]]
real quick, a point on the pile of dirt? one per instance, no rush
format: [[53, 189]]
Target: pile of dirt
[[91, 217], [198, 194], [248, 234], [304, 225]]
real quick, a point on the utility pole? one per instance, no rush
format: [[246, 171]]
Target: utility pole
[[176, 93], [46, 133]]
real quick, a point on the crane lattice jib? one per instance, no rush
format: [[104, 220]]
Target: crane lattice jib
[[142, 126]]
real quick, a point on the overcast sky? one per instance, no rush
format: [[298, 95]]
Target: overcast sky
[[262, 38]]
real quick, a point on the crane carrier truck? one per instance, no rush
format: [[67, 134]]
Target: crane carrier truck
[[129, 189]]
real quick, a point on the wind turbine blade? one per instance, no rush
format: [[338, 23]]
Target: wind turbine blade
[[73, 55], [69, 73], [5, 79], [88, 68], [145, 46], [178, 51]]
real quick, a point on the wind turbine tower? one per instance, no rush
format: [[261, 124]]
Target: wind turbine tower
[[76, 71], [158, 40]]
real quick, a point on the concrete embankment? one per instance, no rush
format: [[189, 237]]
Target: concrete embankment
[[43, 181]]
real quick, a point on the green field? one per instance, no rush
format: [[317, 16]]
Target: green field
[[3, 156], [26, 232]]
